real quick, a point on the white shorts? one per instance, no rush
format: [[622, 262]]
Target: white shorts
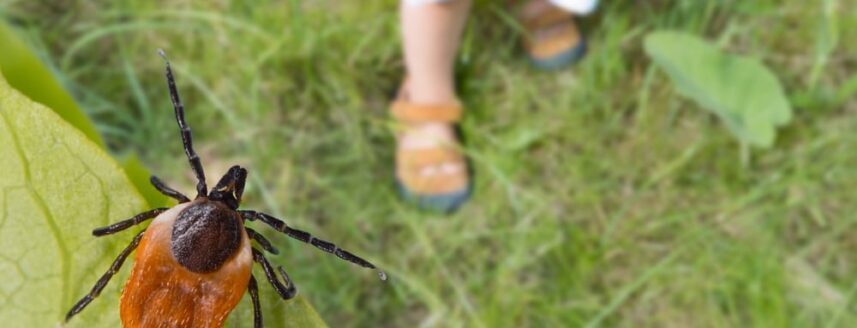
[[580, 7]]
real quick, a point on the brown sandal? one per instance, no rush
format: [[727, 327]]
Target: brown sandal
[[420, 173], [553, 40]]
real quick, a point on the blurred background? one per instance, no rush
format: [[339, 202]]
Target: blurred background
[[603, 198]]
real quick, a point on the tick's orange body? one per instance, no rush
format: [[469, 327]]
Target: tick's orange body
[[162, 293]]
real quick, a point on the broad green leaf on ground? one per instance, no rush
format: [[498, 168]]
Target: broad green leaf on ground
[[55, 186], [26, 73], [745, 94]]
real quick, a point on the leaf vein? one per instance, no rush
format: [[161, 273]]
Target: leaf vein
[[40, 202]]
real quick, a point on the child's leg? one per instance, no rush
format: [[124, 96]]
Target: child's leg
[[431, 32], [430, 168]]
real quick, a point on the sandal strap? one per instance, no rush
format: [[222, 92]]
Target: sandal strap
[[543, 46], [418, 158], [410, 163], [434, 185], [544, 18], [417, 113]]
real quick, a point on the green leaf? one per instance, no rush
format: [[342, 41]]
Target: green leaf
[[745, 94], [56, 185], [139, 177], [295, 313], [27, 74]]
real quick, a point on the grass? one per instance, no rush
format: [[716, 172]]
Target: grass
[[602, 198]]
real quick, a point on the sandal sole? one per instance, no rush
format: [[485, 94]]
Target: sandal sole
[[444, 203], [562, 59]]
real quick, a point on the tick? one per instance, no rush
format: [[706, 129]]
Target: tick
[[193, 262]]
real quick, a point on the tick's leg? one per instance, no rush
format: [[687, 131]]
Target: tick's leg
[[253, 288], [125, 224], [166, 190], [187, 140], [266, 245], [96, 290], [307, 238], [286, 291]]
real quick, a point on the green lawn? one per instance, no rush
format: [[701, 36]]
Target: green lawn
[[602, 197]]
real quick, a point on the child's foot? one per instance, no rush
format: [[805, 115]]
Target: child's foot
[[430, 168], [553, 40]]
